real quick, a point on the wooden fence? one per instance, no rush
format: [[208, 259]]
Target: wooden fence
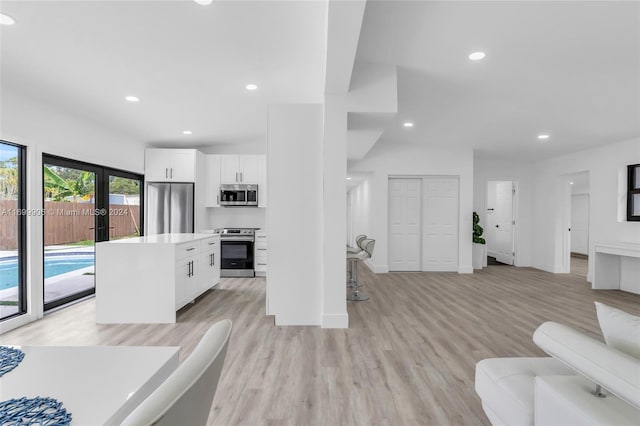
[[67, 223]]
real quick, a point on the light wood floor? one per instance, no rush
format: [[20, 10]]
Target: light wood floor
[[408, 357]]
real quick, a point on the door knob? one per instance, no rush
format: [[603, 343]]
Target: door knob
[[497, 226]]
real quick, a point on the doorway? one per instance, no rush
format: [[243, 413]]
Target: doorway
[[579, 224], [84, 204], [500, 227]]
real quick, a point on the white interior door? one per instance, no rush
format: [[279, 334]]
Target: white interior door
[[440, 237], [503, 215], [405, 213], [580, 224]]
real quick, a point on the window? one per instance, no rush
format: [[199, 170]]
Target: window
[[13, 215], [633, 193]]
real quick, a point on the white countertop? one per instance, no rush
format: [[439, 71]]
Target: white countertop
[[162, 239], [96, 384]]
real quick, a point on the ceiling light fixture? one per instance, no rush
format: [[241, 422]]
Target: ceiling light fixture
[[407, 124], [187, 132], [570, 183], [251, 86], [6, 19], [348, 178], [204, 2], [543, 137], [476, 56], [132, 99]]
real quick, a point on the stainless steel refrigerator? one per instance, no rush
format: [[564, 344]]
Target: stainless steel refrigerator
[[169, 208]]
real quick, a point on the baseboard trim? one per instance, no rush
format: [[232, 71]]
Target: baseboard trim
[[335, 320], [465, 269]]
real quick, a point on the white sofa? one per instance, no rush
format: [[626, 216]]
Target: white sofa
[[560, 390]]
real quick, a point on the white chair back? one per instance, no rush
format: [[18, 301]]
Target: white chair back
[[186, 396]]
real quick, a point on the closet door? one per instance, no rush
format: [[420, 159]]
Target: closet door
[[405, 211], [440, 237]]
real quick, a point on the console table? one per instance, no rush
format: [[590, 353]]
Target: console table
[[616, 267]]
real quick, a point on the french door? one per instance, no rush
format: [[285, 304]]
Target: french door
[[84, 204]]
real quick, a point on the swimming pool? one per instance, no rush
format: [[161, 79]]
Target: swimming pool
[[53, 265]]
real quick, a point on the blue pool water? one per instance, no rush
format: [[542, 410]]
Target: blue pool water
[[53, 265]]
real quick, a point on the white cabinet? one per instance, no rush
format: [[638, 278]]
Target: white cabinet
[[260, 254], [212, 184], [209, 263], [262, 181], [170, 165], [147, 279], [239, 169]]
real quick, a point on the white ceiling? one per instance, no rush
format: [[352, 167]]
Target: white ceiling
[[569, 69], [188, 64]]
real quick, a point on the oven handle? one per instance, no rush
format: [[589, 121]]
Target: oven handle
[[223, 239]]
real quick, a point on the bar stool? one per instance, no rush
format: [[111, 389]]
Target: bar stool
[[354, 258], [351, 283]]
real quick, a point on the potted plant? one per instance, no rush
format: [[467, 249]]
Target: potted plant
[[479, 244]]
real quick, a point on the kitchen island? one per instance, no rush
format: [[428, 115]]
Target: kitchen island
[[147, 279]]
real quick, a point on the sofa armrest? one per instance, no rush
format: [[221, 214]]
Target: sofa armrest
[[616, 371]]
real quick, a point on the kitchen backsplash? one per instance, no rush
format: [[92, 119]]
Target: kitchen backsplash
[[237, 217]]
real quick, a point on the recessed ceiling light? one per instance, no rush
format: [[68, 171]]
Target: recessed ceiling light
[[187, 132], [132, 98], [476, 56], [204, 2], [251, 86], [407, 124], [348, 178], [6, 19], [570, 183], [543, 137]]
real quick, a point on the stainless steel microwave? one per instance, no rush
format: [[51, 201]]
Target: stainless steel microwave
[[239, 195]]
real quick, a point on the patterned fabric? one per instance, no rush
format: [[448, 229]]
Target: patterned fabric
[[9, 359], [33, 411]]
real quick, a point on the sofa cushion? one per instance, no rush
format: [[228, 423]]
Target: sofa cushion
[[505, 386], [620, 329]]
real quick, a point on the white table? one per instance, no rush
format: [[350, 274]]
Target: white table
[[96, 384]]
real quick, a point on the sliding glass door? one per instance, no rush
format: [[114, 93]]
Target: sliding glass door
[[85, 204], [13, 216]]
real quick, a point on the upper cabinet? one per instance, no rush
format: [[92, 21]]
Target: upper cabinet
[[239, 169], [235, 169], [170, 165], [213, 165]]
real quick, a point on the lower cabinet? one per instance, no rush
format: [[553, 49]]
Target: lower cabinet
[[260, 254], [198, 271], [209, 264]]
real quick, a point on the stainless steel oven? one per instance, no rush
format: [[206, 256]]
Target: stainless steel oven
[[236, 256]]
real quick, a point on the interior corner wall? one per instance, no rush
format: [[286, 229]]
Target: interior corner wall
[[495, 169], [43, 128], [606, 166], [360, 207], [388, 158], [294, 216]]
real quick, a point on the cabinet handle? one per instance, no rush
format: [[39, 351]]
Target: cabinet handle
[[262, 249], [188, 269], [262, 264], [172, 173], [190, 249], [211, 244], [236, 176], [240, 176], [218, 199], [166, 172]]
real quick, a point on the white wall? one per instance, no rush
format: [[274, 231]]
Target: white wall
[[44, 128], [521, 173], [360, 208], [580, 223], [294, 167], [391, 159], [607, 169]]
